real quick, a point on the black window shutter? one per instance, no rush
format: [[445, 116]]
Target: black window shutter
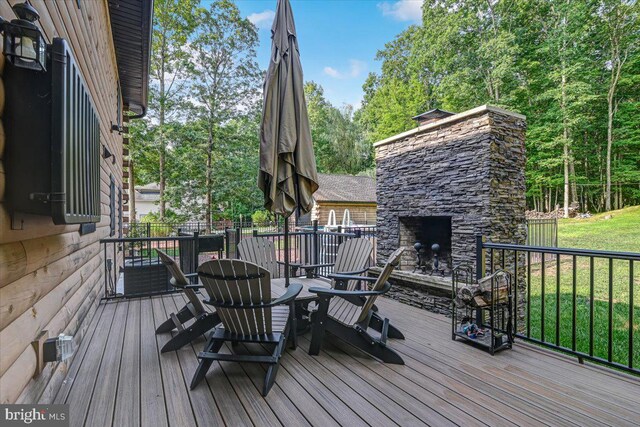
[[112, 206]]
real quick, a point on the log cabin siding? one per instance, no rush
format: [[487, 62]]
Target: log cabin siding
[[51, 278], [361, 213]]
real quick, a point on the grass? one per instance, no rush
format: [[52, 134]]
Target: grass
[[614, 231]]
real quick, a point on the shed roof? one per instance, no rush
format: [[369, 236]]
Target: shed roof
[[345, 188]]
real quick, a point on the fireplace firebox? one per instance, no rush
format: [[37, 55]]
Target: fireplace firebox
[[428, 243]]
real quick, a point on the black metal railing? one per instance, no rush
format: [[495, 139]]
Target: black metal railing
[[307, 244], [582, 302], [132, 266]]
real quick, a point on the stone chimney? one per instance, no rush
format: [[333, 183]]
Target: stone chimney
[[463, 173]]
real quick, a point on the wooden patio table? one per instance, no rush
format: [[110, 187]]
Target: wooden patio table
[[303, 299]]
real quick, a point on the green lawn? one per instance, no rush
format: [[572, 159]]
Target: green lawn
[[621, 232]]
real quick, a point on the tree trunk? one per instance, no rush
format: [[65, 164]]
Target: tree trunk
[[607, 191], [132, 193], [617, 61], [162, 154], [209, 181], [565, 136]]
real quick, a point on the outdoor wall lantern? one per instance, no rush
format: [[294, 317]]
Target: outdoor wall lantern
[[24, 45], [58, 349]]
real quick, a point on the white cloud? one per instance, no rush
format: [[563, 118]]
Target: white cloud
[[262, 20], [402, 10], [332, 72], [356, 68]]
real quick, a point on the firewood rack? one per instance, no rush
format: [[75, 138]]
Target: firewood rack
[[482, 310]]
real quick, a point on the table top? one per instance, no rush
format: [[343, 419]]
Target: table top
[[278, 289]]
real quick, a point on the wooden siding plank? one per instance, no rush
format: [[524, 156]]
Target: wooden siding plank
[[127, 409], [205, 407], [342, 412], [103, 400], [79, 397], [153, 411], [178, 403]]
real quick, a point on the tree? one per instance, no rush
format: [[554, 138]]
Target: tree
[[173, 25], [226, 79], [620, 23], [339, 142]]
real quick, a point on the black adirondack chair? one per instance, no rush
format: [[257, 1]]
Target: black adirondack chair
[[241, 293], [348, 314], [203, 320]]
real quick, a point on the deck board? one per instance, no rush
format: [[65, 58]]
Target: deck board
[[119, 377]]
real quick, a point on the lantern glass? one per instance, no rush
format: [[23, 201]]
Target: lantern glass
[[25, 47]]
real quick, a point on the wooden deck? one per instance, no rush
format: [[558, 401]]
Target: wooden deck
[[119, 378]]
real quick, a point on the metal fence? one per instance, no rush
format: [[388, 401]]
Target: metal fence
[[582, 302], [307, 244], [132, 266], [542, 232]]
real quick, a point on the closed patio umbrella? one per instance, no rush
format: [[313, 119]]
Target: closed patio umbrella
[[288, 176]]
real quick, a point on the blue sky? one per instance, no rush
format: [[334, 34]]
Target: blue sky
[[338, 38]]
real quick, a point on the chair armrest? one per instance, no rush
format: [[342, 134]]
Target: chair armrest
[[191, 275], [340, 293], [194, 286], [353, 273], [344, 277], [292, 292], [311, 266]]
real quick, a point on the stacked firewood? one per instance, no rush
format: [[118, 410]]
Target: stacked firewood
[[479, 294]]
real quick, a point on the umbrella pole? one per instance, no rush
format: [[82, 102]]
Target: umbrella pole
[[286, 251]]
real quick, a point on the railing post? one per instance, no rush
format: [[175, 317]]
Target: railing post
[[481, 264], [226, 242], [357, 233], [238, 234], [196, 249], [148, 229], [316, 246], [255, 233]]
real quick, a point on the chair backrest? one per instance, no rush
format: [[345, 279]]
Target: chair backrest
[[353, 255], [260, 251], [392, 263], [179, 280], [232, 281]]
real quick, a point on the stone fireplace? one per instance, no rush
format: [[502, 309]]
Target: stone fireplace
[[447, 181]]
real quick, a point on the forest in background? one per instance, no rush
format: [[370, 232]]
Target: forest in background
[[573, 68]]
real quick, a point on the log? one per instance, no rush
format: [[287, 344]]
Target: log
[[1, 99], [32, 226], [17, 377], [17, 297], [2, 179], [44, 388], [39, 253], [13, 259], [2, 134], [18, 385], [19, 333]]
